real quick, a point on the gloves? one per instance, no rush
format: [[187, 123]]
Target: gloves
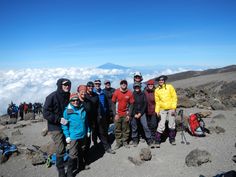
[[63, 121], [68, 140], [88, 134]]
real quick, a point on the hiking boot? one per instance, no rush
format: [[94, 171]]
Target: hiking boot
[[151, 145], [131, 142], [110, 151], [117, 146], [173, 142], [86, 167], [135, 143], [157, 144]]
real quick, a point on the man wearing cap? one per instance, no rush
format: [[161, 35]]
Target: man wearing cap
[[108, 90], [53, 108], [93, 100], [123, 98], [138, 116], [150, 111], [76, 132], [103, 116], [166, 103]]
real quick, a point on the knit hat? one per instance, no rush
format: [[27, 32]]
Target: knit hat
[[137, 84], [73, 96], [81, 87], [150, 82], [123, 81]]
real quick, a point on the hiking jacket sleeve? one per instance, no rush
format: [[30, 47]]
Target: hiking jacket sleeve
[[51, 109], [144, 106], [65, 128]]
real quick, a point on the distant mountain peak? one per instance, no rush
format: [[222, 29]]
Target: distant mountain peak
[[112, 66]]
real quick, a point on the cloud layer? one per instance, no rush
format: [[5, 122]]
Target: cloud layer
[[33, 85]]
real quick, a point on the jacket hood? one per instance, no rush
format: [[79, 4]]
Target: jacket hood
[[59, 84]]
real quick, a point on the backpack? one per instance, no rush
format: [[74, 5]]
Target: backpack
[[196, 125]]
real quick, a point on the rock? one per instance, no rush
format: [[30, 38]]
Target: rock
[[145, 154], [2, 127], [186, 102], [135, 161], [16, 133], [19, 126], [44, 132], [205, 113], [216, 129], [12, 121], [36, 120], [29, 116], [219, 116], [217, 105], [38, 159], [2, 135], [197, 157], [234, 158]]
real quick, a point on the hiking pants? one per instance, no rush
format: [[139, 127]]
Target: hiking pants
[[134, 126], [60, 143], [103, 132], [166, 115], [152, 124], [122, 130]]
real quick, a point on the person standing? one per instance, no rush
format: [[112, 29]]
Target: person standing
[[93, 100], [76, 132], [138, 116], [123, 99], [53, 108], [103, 116], [165, 108], [151, 115], [108, 90]]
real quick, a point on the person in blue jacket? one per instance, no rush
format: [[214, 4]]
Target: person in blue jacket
[[76, 132]]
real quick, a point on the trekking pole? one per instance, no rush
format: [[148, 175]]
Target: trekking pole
[[183, 138]]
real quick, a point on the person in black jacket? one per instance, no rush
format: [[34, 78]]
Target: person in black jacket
[[53, 108], [138, 116], [93, 113], [108, 90]]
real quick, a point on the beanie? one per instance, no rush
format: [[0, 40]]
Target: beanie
[[74, 96], [81, 87], [150, 82]]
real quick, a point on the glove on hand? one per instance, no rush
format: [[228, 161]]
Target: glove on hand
[[68, 140], [63, 121]]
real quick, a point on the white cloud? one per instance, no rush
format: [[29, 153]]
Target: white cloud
[[33, 85]]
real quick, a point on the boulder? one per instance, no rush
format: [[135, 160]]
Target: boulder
[[197, 157], [145, 154]]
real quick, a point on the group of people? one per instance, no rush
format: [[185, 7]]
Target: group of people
[[13, 110], [80, 118]]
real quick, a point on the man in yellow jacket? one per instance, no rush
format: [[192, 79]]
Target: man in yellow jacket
[[166, 102]]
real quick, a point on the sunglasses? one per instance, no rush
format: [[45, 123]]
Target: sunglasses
[[74, 100], [66, 84]]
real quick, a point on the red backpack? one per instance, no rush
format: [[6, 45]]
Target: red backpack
[[196, 125]]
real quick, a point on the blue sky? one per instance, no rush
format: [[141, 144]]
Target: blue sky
[[65, 33]]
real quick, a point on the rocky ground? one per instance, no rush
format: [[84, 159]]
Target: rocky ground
[[168, 161]]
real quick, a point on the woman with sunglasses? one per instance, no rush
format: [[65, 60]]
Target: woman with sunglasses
[[76, 132]]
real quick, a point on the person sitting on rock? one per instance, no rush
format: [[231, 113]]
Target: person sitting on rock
[[166, 103]]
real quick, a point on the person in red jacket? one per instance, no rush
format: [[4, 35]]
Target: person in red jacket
[[151, 115], [123, 98]]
